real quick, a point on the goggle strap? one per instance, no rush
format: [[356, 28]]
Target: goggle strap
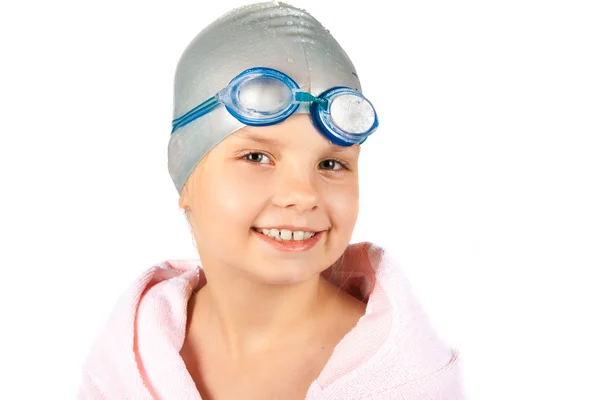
[[195, 113], [199, 106], [307, 97]]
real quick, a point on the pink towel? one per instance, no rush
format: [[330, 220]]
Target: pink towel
[[392, 353]]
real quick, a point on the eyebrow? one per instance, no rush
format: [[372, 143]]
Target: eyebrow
[[258, 139], [276, 143]]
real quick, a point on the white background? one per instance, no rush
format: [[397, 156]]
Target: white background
[[483, 179]]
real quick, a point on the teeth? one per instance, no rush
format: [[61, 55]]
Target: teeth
[[286, 234]]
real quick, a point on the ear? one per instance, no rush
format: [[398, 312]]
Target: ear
[[184, 198]]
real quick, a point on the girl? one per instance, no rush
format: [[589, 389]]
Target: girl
[[268, 122]]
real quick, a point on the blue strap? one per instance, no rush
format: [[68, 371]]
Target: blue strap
[[195, 113], [307, 97]]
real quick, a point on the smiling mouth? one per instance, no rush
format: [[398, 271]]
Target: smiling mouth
[[297, 243], [285, 235]]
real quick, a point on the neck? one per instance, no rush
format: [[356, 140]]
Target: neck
[[250, 316]]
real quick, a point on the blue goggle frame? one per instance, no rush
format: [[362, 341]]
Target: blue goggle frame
[[320, 109]]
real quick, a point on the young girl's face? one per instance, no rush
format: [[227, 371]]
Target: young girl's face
[[267, 177]]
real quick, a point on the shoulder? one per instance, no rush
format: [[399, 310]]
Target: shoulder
[[410, 356], [111, 367]]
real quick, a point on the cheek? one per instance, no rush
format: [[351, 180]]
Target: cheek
[[233, 196], [342, 204]]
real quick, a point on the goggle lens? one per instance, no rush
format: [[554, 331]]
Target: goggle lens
[[352, 114], [264, 95]]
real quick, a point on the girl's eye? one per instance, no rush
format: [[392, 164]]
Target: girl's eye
[[331, 165], [257, 158]]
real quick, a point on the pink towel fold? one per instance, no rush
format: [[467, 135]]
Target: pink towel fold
[[392, 353]]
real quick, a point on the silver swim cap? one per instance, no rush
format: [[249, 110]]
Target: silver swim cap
[[273, 35]]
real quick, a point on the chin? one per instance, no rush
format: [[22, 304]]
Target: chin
[[284, 272]]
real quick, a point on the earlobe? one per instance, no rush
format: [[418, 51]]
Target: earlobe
[[183, 200]]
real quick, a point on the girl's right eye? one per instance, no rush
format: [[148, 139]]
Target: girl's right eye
[[256, 158]]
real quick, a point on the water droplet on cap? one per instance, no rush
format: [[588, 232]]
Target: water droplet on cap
[[290, 23]]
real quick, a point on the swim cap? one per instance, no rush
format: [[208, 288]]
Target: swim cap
[[273, 35]]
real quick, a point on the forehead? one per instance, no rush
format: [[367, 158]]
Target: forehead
[[297, 130]]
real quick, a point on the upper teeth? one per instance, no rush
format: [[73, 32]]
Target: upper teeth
[[286, 234]]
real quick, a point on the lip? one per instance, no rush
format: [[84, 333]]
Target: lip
[[289, 228], [290, 245]]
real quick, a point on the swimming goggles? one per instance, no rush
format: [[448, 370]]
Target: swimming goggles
[[264, 96]]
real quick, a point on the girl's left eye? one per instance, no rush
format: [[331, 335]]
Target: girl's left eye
[[331, 163]]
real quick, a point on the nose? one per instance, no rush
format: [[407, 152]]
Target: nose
[[296, 188]]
